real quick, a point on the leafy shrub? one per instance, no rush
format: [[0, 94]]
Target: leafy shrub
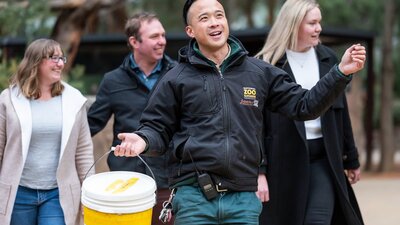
[[6, 70], [74, 77]]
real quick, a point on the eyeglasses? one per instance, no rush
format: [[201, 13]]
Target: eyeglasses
[[56, 59]]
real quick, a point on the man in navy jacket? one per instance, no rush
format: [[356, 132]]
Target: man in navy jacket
[[124, 92]]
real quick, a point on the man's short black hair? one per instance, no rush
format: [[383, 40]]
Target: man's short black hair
[[186, 8]]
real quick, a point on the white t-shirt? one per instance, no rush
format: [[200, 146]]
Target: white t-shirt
[[305, 69]]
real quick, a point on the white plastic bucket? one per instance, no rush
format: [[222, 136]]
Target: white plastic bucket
[[118, 197]]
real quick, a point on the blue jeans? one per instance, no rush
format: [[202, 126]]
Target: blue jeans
[[192, 208], [37, 207]]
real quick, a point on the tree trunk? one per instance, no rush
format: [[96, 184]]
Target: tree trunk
[[117, 17], [248, 12], [70, 26], [369, 108], [271, 9], [387, 82]]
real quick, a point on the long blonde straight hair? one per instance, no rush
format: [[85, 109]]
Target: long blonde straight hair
[[284, 32]]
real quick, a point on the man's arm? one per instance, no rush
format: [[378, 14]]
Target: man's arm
[[297, 103], [100, 111]]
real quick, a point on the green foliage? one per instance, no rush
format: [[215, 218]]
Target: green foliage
[[31, 20], [361, 15], [169, 11], [6, 70], [74, 77], [77, 78]]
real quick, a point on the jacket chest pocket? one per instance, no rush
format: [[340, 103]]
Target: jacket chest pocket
[[201, 96]]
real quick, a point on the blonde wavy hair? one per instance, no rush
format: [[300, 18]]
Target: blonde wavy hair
[[26, 77], [284, 32]]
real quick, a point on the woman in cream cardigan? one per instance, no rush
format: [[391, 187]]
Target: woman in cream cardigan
[[45, 143]]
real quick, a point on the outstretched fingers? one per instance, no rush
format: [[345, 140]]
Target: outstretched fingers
[[131, 145]]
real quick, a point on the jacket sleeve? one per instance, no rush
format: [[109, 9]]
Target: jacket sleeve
[[350, 152], [292, 100], [159, 119], [266, 141], [100, 111]]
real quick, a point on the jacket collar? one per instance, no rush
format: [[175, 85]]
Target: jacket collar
[[191, 55], [72, 102], [323, 57], [325, 64], [166, 64]]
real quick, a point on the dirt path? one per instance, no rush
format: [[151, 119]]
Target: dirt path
[[379, 198]]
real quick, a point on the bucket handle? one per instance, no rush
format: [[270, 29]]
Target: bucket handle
[[108, 152]]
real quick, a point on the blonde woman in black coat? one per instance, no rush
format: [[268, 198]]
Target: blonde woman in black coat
[[310, 165]]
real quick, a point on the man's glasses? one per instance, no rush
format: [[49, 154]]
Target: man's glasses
[[56, 59]]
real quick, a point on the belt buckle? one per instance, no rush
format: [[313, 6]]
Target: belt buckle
[[220, 190]]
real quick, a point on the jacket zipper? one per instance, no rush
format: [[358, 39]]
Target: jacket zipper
[[226, 120]]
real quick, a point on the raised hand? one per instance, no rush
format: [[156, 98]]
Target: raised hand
[[353, 59]]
